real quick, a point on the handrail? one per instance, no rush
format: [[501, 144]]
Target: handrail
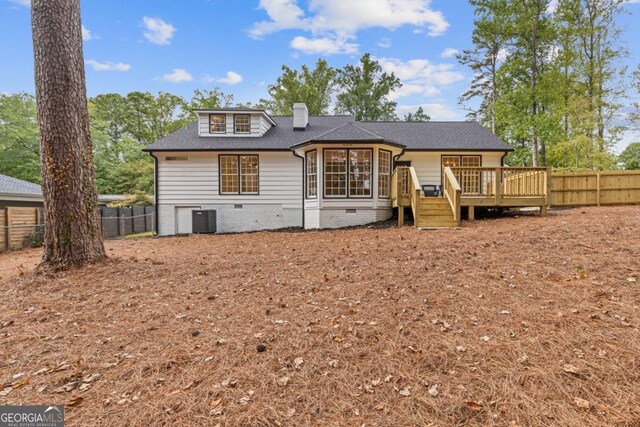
[[414, 191], [502, 182], [453, 192]]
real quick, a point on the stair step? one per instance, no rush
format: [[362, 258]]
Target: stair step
[[435, 218], [435, 210], [434, 201], [436, 224]]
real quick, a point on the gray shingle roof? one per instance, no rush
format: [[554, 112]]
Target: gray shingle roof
[[410, 135], [10, 185]]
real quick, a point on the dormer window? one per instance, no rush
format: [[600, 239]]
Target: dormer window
[[217, 123], [242, 123]]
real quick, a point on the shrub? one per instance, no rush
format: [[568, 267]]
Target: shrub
[[35, 239]]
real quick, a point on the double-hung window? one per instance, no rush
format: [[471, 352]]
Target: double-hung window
[[347, 172], [312, 174], [242, 123], [239, 174], [384, 173], [217, 123]]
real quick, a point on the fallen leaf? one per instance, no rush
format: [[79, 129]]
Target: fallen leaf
[[283, 381], [405, 392], [298, 362], [581, 403], [473, 405], [570, 369], [334, 363], [75, 401], [216, 407], [433, 390], [291, 412], [379, 407], [5, 391]]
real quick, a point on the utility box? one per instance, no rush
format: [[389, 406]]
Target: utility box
[[203, 221]]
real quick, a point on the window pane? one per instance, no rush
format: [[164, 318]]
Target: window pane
[[218, 123], [360, 173], [242, 123], [384, 173], [335, 176], [472, 161], [312, 174], [249, 174], [228, 174]]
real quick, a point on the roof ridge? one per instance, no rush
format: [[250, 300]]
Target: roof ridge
[[369, 132]]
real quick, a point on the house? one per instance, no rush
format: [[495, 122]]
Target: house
[[263, 172], [15, 192]]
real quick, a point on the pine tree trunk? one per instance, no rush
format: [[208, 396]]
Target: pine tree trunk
[[72, 223]]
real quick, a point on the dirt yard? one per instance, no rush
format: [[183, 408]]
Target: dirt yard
[[517, 321]]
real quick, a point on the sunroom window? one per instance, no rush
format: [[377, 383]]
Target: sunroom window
[[347, 173], [384, 173], [312, 174]]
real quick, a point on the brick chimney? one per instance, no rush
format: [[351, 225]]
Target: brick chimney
[[300, 116]]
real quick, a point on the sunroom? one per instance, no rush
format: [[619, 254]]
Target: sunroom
[[347, 183]]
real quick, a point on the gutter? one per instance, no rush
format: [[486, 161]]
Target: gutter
[[304, 184], [156, 211]]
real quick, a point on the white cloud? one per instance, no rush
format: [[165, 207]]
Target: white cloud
[[421, 71], [436, 111], [86, 34], [409, 89], [384, 43], [232, 78], [26, 3], [333, 22], [177, 75], [107, 66], [157, 30], [450, 52], [323, 45]]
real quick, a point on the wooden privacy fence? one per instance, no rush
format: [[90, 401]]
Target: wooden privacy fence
[[595, 188], [16, 224]]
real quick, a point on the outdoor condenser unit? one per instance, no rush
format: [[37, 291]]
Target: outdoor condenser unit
[[203, 221]]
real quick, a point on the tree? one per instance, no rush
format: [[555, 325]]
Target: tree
[[630, 157], [634, 117], [365, 89], [72, 234], [19, 141], [313, 87], [489, 39], [418, 116]]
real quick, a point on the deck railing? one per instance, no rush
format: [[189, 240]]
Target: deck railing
[[452, 191], [405, 190], [502, 182]]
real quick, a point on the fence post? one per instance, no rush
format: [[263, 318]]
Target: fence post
[[598, 188], [121, 231], [8, 222]]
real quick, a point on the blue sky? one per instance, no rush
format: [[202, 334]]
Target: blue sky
[[240, 45]]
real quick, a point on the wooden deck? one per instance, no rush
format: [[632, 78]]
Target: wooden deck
[[468, 187]]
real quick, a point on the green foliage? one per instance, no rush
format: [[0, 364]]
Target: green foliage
[[19, 140], [549, 83], [313, 87], [137, 199], [35, 239], [364, 91], [630, 157], [418, 116]]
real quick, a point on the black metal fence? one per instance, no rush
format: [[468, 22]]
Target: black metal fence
[[120, 222]]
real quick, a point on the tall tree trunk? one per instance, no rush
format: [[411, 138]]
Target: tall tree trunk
[[72, 222]]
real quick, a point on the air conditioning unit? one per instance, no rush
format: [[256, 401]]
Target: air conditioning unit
[[203, 221]]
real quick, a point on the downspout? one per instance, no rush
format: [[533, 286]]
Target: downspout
[[396, 158], [506, 153], [156, 223], [304, 185]]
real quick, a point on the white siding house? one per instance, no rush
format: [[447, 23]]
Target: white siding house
[[260, 172]]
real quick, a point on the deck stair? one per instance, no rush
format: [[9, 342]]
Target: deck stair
[[468, 187], [434, 212]]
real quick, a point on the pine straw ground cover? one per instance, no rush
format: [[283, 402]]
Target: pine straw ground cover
[[514, 321]]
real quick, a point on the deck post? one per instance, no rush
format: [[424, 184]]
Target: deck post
[[400, 215], [498, 185], [471, 213]]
